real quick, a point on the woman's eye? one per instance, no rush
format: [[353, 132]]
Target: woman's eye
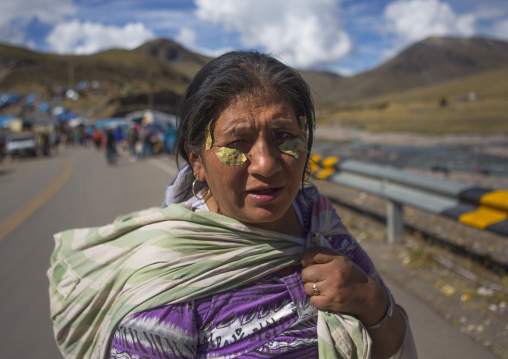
[[282, 135], [235, 143]]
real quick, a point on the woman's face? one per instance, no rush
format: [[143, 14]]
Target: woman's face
[[255, 163]]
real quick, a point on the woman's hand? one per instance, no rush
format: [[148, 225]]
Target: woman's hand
[[343, 286]]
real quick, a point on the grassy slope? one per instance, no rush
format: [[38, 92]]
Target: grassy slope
[[121, 73], [33, 71], [120, 68], [420, 111]]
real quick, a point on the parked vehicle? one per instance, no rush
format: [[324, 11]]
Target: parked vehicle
[[21, 144]]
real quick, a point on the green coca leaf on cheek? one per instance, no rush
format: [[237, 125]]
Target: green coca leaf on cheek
[[293, 147], [208, 137], [231, 156]]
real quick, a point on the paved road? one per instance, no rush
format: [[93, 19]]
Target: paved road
[[76, 189], [90, 193]]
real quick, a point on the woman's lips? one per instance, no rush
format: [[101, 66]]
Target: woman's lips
[[263, 195]]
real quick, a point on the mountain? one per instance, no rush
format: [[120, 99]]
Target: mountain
[[437, 59], [156, 74], [173, 53], [322, 82], [428, 62]]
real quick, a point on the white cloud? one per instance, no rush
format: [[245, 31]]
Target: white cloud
[[15, 15], [11, 35], [500, 29], [489, 9], [186, 36], [86, 38], [46, 11], [415, 20], [304, 33]]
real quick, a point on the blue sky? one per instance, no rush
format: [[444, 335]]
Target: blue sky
[[342, 36]]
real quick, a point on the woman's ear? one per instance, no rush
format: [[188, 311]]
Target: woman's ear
[[196, 163]]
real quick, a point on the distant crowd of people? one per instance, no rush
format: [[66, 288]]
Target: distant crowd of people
[[139, 140]]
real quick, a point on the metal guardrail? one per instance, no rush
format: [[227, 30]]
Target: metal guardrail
[[478, 207]]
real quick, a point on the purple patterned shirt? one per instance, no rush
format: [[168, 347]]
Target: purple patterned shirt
[[270, 317]]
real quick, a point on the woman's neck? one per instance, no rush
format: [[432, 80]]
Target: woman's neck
[[289, 224]]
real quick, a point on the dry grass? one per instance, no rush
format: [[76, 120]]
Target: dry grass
[[421, 110]]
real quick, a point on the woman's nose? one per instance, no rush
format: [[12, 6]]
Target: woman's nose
[[264, 159]]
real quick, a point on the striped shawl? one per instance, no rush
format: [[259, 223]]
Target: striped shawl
[[161, 256]]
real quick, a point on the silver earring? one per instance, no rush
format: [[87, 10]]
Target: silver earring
[[196, 179]]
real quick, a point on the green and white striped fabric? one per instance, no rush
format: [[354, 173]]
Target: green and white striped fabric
[[161, 256]]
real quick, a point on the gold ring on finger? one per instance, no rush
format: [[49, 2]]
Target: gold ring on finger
[[315, 291]]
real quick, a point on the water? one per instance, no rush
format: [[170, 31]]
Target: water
[[459, 158]]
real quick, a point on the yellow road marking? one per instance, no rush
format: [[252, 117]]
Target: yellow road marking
[[26, 211]]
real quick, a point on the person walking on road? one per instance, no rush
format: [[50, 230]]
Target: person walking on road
[[132, 140], [97, 138], [146, 144], [111, 153]]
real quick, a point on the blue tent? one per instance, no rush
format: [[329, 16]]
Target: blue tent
[[7, 98], [110, 122], [66, 116], [43, 107], [30, 99]]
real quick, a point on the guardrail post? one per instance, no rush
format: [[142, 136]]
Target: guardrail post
[[395, 222]]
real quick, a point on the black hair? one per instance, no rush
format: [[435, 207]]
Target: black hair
[[232, 75]]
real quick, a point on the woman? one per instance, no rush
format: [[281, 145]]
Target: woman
[[252, 264]]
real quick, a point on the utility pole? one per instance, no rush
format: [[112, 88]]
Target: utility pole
[[151, 101], [70, 73]]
